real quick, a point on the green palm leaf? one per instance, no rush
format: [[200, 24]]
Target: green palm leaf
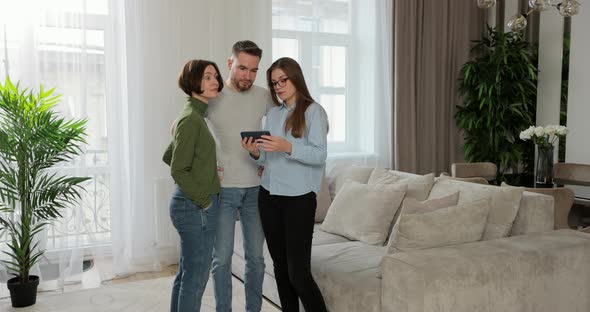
[[498, 89], [33, 139]]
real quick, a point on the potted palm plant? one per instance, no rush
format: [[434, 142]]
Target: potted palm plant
[[499, 88], [33, 139]]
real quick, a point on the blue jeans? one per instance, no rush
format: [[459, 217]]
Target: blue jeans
[[196, 228], [244, 201]]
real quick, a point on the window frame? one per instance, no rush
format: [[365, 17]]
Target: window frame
[[310, 43]]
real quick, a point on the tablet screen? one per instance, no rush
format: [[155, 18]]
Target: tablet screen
[[253, 134]]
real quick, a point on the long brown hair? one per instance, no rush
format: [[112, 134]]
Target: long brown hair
[[296, 121]]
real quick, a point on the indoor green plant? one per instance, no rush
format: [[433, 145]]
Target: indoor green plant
[[498, 89], [33, 139]]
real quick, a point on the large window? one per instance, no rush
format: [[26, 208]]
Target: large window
[[317, 34], [337, 44], [61, 44]]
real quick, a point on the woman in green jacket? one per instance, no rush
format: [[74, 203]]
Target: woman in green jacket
[[194, 207]]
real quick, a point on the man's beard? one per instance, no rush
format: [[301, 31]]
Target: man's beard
[[244, 86]]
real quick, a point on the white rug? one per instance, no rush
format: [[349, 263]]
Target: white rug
[[143, 296]]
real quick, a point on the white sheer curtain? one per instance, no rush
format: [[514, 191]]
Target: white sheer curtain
[[159, 37], [345, 50], [61, 44], [116, 62]]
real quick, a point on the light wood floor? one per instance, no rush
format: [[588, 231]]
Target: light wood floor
[[166, 271], [95, 277], [140, 292], [81, 293]]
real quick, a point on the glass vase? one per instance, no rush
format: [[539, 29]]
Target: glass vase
[[544, 168]]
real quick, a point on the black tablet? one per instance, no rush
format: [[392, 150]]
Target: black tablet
[[253, 134]]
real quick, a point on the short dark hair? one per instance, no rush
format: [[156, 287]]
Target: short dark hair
[[189, 79], [248, 47]]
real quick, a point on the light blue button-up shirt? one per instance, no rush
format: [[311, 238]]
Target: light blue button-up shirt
[[302, 171]]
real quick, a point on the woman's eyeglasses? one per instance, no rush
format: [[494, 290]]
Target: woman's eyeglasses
[[280, 83]]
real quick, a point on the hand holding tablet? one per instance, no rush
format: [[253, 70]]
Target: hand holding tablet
[[255, 135], [249, 139], [268, 144]]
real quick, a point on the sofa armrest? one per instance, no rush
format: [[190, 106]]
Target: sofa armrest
[[536, 272]]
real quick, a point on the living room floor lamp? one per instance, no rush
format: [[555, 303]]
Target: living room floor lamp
[[518, 21]]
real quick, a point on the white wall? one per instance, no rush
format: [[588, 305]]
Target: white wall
[[511, 8], [550, 64], [550, 58], [578, 107]]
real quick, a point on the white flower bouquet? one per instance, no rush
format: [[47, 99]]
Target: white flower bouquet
[[544, 136]]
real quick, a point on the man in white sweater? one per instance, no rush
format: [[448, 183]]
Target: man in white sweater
[[239, 107]]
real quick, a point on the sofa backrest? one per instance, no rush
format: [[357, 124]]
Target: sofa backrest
[[534, 215], [342, 173]]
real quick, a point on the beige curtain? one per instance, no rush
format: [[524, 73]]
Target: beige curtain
[[432, 42]]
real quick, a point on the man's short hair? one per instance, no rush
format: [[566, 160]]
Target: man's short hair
[[248, 47], [189, 79]]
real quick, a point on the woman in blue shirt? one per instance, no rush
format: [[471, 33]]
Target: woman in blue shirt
[[294, 157]]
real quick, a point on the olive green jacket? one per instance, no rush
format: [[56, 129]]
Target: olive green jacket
[[191, 154]]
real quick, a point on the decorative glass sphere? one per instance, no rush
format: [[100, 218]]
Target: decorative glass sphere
[[539, 5], [517, 23], [569, 8], [485, 4]]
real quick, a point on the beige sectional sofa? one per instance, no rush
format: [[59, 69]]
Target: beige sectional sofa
[[534, 269]]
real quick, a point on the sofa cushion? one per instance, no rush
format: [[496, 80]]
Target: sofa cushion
[[383, 176], [536, 214], [324, 238], [504, 203], [346, 273], [418, 186], [542, 272], [453, 225], [563, 198], [319, 238], [478, 180], [411, 205], [323, 201], [342, 173], [364, 212]]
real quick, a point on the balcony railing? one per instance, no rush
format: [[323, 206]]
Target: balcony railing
[[88, 222]]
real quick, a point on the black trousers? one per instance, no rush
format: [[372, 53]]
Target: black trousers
[[287, 222]]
